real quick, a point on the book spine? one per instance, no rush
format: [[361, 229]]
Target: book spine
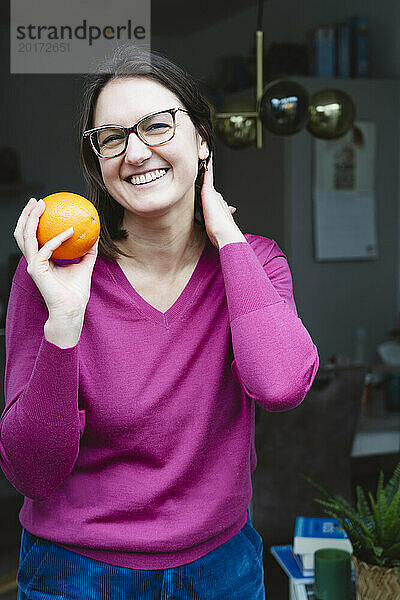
[[360, 47], [307, 562], [324, 51], [343, 49]]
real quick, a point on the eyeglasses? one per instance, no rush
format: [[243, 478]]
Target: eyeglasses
[[155, 129]]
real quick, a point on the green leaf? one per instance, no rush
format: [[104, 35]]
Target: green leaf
[[381, 506], [341, 513], [393, 552], [343, 502], [392, 520], [315, 485], [377, 520], [373, 525], [393, 484], [362, 506]]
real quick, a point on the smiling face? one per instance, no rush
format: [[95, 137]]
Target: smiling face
[[135, 179]]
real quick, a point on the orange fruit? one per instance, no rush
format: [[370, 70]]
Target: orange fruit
[[64, 210]]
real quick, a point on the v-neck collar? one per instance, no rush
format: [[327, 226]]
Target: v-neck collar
[[186, 297]]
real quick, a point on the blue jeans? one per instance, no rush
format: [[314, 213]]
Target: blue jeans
[[232, 571]]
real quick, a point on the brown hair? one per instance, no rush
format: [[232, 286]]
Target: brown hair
[[130, 61]]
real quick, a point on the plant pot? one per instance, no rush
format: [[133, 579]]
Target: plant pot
[[374, 582]]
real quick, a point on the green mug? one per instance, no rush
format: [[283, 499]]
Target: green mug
[[333, 575]]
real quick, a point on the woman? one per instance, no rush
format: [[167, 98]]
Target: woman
[[129, 419]]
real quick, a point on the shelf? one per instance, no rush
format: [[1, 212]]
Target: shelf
[[367, 80], [250, 93]]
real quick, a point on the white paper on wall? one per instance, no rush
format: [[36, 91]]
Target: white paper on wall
[[344, 195]]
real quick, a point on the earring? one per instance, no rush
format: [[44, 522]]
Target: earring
[[204, 164]]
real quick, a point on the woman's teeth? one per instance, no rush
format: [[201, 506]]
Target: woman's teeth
[[150, 176]]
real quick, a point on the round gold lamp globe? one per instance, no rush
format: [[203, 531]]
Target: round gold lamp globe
[[236, 131], [332, 114], [283, 107]]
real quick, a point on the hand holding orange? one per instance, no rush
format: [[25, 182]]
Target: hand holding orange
[[64, 210]]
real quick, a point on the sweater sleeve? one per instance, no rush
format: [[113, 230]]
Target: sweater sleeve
[[41, 425], [275, 359]]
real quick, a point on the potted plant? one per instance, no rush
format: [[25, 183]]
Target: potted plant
[[373, 528]]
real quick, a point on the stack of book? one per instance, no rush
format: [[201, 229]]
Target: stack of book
[[310, 534], [340, 50]]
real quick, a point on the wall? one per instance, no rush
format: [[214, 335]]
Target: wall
[[337, 297], [38, 117]]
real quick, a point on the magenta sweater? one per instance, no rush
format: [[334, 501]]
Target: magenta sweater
[[136, 446]]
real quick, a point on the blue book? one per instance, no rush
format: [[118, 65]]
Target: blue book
[[360, 47], [323, 50], [313, 533], [285, 557], [306, 569], [343, 49]]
